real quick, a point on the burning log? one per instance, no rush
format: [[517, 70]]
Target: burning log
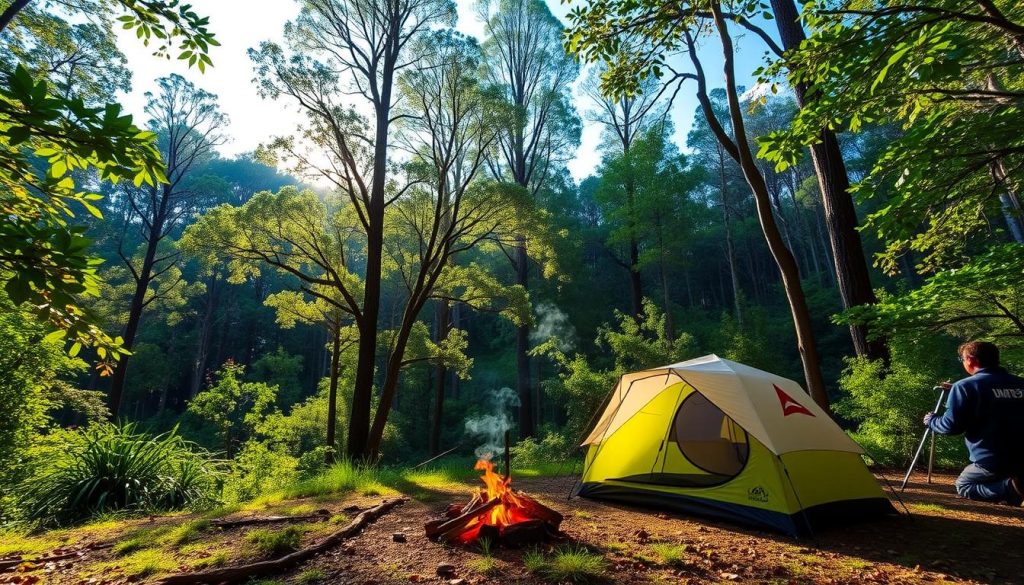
[[499, 514], [462, 521]]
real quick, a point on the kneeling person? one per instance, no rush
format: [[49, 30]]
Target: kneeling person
[[988, 408]]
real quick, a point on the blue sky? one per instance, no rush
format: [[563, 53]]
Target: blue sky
[[242, 24]]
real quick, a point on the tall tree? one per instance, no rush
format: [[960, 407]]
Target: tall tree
[[625, 120], [363, 44], [189, 126], [525, 61], [597, 35], [851, 268]]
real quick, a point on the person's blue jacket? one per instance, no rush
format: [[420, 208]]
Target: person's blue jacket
[[988, 408]]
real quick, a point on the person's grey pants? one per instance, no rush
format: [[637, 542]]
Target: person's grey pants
[[978, 483]]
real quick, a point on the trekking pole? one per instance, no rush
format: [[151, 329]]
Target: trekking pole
[[924, 438]]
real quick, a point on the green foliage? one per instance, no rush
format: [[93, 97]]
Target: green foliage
[[980, 300], [275, 543], [282, 370], [887, 405], [951, 79], [30, 386], [530, 452], [258, 469], [109, 468], [232, 408], [51, 134]]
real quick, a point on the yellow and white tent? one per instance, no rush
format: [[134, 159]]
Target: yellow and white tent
[[717, 438]]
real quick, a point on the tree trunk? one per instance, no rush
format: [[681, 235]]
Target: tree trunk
[[852, 276], [440, 376], [131, 328], [730, 250], [362, 397], [332, 394], [205, 332], [783, 258], [523, 385], [635, 284]]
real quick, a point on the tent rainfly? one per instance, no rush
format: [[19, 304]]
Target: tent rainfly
[[717, 438]]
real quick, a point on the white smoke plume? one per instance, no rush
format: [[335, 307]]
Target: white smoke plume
[[552, 322], [491, 427]]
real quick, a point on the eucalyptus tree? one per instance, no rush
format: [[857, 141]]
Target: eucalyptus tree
[[624, 120], [524, 60], [189, 128], [636, 40], [337, 49]]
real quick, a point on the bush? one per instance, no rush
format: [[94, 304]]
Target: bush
[[110, 468], [258, 469], [888, 406], [554, 447]]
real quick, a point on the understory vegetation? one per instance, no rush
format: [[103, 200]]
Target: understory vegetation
[[418, 270]]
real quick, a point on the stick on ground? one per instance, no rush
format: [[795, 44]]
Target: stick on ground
[[244, 572]]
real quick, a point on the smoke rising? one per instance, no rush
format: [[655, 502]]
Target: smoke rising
[[553, 323], [491, 427]]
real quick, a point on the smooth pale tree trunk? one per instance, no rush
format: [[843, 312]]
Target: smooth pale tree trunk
[[783, 258], [851, 269]]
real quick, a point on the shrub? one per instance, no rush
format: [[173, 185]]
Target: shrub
[[888, 405], [109, 468], [529, 452], [258, 469]]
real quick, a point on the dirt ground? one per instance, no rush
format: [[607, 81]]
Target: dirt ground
[[946, 539]]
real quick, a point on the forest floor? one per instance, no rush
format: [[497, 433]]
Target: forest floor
[[947, 540]]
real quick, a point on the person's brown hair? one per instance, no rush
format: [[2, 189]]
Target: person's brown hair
[[984, 352]]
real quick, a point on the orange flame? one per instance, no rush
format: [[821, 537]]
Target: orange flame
[[508, 512]]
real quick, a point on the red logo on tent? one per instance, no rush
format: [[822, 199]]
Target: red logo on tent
[[790, 406]]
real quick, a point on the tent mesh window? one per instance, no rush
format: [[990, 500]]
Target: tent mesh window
[[708, 438]]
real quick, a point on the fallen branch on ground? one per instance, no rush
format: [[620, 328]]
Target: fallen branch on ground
[[244, 572]]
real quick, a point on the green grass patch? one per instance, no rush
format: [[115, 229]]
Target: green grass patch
[[13, 542], [185, 533], [670, 553], [614, 546], [310, 576], [275, 543], [573, 564], [141, 539], [582, 514], [143, 563], [218, 560]]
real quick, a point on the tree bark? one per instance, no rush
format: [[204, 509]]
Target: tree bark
[[205, 333], [131, 328], [730, 250], [851, 269], [783, 258], [8, 15], [332, 395], [440, 376], [523, 379]]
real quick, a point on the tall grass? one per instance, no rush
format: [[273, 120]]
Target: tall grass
[[117, 468]]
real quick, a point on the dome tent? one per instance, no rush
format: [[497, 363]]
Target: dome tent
[[717, 438]]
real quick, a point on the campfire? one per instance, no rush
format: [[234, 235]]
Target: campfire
[[497, 513]]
